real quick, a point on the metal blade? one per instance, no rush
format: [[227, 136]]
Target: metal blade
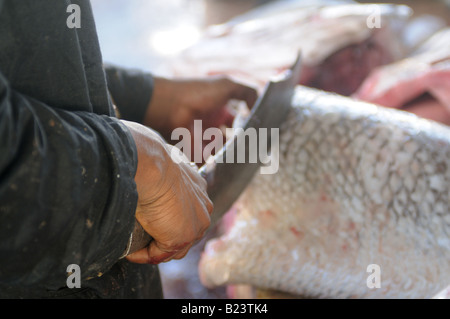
[[226, 181]]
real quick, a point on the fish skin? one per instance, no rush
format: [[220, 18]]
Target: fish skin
[[444, 294], [358, 184]]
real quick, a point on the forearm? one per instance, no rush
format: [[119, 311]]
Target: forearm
[[164, 106], [67, 192]]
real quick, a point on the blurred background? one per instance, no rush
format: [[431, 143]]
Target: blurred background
[[146, 33], [149, 34], [143, 33]]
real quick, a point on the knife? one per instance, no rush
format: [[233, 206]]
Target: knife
[[226, 180]]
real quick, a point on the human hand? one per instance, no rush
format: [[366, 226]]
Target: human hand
[[177, 103], [173, 206]]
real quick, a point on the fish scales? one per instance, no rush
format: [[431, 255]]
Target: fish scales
[[358, 184]]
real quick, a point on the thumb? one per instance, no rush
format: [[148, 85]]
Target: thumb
[[153, 254], [245, 93]]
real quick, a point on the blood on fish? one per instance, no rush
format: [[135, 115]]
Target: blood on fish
[[296, 232], [351, 226]]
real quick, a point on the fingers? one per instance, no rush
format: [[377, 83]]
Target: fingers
[[228, 118], [222, 117], [244, 93], [139, 257], [154, 255]]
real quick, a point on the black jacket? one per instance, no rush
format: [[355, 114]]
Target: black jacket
[[67, 165]]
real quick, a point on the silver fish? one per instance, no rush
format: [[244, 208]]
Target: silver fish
[[444, 294], [359, 185]]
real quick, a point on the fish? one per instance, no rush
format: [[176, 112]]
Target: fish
[[359, 208], [444, 294], [338, 42], [339, 51], [419, 83]]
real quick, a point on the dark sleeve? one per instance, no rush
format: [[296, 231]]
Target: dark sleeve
[[131, 91], [67, 191]]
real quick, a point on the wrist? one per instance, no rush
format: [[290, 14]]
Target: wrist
[[160, 107]]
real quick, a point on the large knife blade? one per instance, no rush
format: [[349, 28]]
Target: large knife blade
[[226, 180]]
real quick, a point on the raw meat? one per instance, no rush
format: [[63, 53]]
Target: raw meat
[[339, 48], [359, 185], [419, 83]]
